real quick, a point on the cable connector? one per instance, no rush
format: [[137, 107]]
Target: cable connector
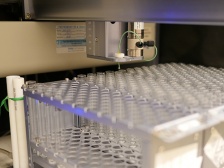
[[119, 55], [140, 44]]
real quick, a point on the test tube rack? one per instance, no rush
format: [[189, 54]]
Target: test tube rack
[[145, 117]]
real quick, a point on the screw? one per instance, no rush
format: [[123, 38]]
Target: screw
[[28, 16]]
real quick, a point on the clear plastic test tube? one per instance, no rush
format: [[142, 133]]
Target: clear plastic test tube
[[81, 78], [33, 119], [118, 109], [100, 79], [91, 78], [110, 80]]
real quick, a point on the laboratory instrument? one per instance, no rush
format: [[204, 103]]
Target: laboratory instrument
[[157, 116]]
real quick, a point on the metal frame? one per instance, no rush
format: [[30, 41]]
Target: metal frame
[[159, 11]]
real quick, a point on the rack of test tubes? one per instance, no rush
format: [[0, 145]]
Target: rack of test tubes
[[159, 116]]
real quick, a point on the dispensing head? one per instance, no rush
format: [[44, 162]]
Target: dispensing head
[[117, 41]]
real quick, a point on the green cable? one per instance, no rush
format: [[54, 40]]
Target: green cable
[[119, 65], [4, 102], [129, 31], [119, 45], [156, 52]]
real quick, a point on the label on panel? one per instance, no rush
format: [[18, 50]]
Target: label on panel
[[71, 38], [138, 25]]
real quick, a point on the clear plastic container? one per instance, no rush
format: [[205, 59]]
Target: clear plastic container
[[140, 117]]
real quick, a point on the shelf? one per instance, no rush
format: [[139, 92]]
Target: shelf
[[181, 12]]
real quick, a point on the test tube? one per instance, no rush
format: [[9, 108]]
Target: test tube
[[39, 122], [48, 126], [93, 98], [91, 78], [131, 110], [110, 80], [100, 79], [132, 85], [105, 103], [121, 83], [81, 78], [118, 109], [33, 119]]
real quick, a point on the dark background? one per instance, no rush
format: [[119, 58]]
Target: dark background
[[200, 45]]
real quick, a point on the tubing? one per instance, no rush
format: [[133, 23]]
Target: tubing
[[20, 122], [12, 118]]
